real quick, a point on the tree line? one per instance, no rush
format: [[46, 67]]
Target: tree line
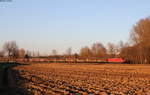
[[136, 50], [97, 50]]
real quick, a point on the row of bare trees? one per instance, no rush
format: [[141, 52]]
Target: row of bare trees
[[97, 50], [100, 51], [11, 50], [138, 51]]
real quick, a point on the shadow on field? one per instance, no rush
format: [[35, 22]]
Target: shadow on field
[[7, 83]]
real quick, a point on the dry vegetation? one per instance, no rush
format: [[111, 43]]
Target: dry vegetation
[[75, 79]]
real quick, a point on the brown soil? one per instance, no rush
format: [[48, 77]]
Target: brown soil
[[105, 79]]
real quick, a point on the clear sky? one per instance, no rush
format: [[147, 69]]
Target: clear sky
[[43, 25]]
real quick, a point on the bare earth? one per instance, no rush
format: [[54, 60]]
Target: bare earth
[[76, 79]]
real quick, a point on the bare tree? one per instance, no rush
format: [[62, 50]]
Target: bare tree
[[21, 53], [28, 54], [33, 54], [11, 49], [119, 47], [141, 32], [112, 49], [69, 51], [38, 54], [98, 50], [85, 52], [54, 52], [126, 52], [1, 54]]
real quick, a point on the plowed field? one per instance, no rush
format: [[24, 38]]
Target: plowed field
[[83, 79]]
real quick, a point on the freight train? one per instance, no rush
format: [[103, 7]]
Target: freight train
[[63, 60]]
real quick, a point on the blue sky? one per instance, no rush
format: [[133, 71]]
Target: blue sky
[[43, 25]]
